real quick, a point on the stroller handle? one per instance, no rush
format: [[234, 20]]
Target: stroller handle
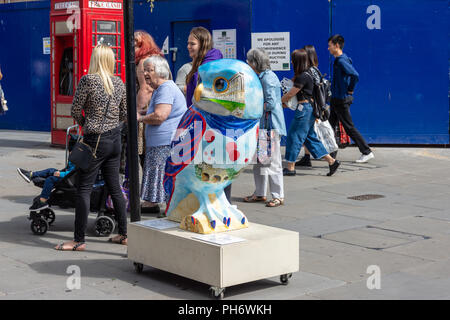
[[67, 140]]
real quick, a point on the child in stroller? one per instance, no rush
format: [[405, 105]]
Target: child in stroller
[[51, 176], [64, 196]]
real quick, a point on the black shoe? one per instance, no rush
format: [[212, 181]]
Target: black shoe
[[333, 167], [25, 174], [304, 162], [287, 172], [154, 209], [333, 154], [39, 205]]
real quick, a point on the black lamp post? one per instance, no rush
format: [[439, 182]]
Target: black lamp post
[[130, 67]]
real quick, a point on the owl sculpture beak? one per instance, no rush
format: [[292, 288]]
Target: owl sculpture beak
[[198, 92]]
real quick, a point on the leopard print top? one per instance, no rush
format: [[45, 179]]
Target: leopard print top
[[91, 97]]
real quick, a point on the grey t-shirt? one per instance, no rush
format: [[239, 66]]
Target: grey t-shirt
[[167, 93], [182, 74]]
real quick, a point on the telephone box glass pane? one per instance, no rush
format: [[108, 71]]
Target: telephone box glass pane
[[106, 27], [107, 39], [118, 68], [93, 26], [66, 73], [93, 40]]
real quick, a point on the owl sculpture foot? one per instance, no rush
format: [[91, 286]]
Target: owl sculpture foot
[[211, 214], [208, 209], [231, 211]]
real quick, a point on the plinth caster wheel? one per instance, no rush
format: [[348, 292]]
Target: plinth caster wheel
[[138, 267], [217, 293], [284, 278], [39, 226]]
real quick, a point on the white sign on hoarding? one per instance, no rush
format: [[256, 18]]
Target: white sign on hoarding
[[46, 45], [225, 41], [277, 46]]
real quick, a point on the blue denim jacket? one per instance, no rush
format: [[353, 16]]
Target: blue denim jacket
[[345, 77], [272, 98]]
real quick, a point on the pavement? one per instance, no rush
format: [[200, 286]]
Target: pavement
[[395, 246]]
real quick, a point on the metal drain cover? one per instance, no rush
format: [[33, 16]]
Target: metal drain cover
[[364, 197]]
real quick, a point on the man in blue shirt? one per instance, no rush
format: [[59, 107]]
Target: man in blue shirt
[[345, 78]]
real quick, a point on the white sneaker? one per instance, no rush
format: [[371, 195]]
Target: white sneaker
[[365, 157]]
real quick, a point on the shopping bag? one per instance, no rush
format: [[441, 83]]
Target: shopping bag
[[286, 85], [342, 138], [325, 133], [264, 146]]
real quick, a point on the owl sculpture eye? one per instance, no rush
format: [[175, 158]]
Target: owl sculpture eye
[[220, 85]]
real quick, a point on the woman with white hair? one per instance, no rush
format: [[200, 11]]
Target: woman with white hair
[[165, 111], [272, 122], [102, 97]]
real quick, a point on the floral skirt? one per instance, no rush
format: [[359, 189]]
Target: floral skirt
[[153, 176]]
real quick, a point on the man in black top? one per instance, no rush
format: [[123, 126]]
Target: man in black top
[[345, 78]]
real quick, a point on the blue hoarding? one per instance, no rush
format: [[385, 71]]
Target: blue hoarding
[[25, 67], [399, 47]]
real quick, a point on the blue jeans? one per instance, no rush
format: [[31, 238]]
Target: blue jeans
[[50, 181], [302, 132]]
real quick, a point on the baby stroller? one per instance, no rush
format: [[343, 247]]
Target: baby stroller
[[64, 196]]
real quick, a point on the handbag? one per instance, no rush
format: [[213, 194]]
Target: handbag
[[264, 146], [82, 154]]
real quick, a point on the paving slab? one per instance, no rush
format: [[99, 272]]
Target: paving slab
[[363, 238], [417, 225], [436, 249], [301, 283], [395, 286], [439, 215], [326, 224], [431, 270], [347, 262], [410, 225]]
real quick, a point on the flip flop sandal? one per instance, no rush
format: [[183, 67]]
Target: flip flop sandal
[[120, 241], [74, 248], [275, 203], [254, 198]]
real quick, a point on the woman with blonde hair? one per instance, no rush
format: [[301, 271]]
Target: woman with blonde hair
[[102, 97]]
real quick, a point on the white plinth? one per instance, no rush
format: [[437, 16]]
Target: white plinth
[[267, 252]]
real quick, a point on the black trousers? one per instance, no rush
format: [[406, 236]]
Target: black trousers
[[340, 111], [108, 160]]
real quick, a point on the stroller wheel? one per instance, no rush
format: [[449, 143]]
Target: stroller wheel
[[104, 226], [39, 226], [49, 215]]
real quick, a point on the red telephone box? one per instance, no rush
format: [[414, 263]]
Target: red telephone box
[[76, 27]]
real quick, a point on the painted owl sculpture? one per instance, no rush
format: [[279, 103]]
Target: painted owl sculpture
[[215, 140]]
